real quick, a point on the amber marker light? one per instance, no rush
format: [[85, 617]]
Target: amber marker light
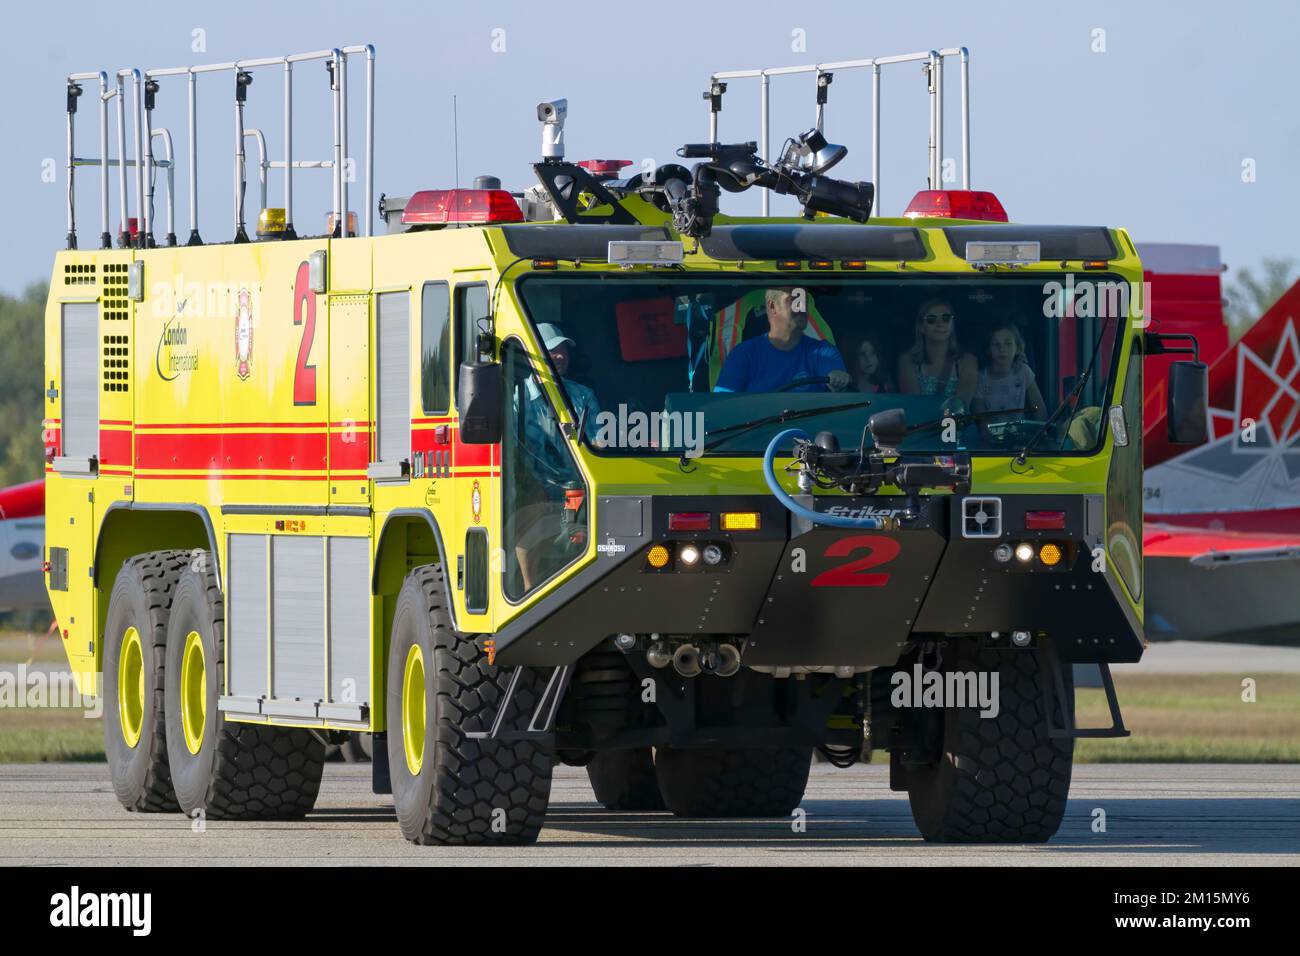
[[740, 521]]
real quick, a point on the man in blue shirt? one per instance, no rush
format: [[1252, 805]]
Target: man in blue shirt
[[784, 354]]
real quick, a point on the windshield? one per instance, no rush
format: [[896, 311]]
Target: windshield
[[678, 365]]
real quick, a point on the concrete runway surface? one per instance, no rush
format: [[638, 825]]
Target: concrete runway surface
[[1225, 815]]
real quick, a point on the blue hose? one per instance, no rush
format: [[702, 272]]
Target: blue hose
[[817, 517]]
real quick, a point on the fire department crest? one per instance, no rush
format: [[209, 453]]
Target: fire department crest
[[243, 334], [476, 502]]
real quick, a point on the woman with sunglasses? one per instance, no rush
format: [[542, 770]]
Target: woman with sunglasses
[[936, 364]]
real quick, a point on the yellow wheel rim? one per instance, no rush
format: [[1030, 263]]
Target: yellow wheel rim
[[413, 709], [194, 692], [130, 686]]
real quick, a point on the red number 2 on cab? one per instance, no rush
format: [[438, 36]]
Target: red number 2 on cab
[[304, 313]]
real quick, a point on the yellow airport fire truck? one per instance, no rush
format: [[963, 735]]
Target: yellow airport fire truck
[[589, 473]]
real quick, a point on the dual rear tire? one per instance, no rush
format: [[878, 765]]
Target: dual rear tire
[[729, 783], [168, 746]]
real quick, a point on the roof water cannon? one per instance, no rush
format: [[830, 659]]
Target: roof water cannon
[[736, 167]]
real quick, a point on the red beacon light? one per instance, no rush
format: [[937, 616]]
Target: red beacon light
[[604, 169], [440, 207], [955, 204]]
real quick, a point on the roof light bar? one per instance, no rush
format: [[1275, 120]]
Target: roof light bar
[[1002, 253], [645, 252]]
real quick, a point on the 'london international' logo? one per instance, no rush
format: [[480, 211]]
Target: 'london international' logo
[[243, 334], [174, 354]]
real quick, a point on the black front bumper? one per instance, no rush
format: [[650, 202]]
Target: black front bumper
[[799, 595]]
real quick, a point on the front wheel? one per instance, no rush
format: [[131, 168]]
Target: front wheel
[[450, 788], [999, 779]]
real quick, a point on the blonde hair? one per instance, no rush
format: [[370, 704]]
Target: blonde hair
[[917, 350]]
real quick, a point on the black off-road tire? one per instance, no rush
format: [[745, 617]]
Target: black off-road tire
[[242, 771], [733, 783], [468, 791], [625, 780], [141, 598], [356, 749], [1000, 779]]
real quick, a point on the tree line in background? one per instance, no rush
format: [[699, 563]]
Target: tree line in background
[[22, 369], [22, 357], [1248, 295]]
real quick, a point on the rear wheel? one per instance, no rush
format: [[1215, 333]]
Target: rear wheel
[[1000, 779], [733, 783], [626, 780], [223, 769], [135, 641], [450, 788]]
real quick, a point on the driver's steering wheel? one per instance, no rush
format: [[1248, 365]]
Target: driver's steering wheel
[[807, 380]]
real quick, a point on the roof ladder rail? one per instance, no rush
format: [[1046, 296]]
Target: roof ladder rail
[[932, 64], [145, 87]]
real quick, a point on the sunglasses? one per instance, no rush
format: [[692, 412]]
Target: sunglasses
[[933, 318]]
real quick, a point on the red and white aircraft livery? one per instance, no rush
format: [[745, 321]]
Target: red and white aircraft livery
[[22, 546], [1222, 541]]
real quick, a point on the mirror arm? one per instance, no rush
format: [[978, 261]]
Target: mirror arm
[[1158, 343]]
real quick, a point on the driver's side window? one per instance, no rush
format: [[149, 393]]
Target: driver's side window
[[544, 495]]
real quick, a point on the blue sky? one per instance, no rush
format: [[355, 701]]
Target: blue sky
[[1150, 134]]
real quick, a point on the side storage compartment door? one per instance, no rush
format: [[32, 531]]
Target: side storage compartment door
[[74, 399], [298, 629]]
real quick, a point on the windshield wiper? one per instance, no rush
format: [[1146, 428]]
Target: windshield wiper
[[728, 432], [1066, 402], [962, 417]]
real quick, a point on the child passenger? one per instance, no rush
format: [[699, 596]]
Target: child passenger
[[1007, 383], [870, 370]]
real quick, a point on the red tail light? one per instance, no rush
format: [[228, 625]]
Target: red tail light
[[689, 521], [440, 206], [956, 204], [1044, 520]]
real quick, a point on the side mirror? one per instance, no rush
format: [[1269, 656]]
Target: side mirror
[[481, 400], [1188, 409], [888, 429]]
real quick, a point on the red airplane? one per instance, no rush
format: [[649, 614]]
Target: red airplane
[[22, 543], [1222, 536]]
